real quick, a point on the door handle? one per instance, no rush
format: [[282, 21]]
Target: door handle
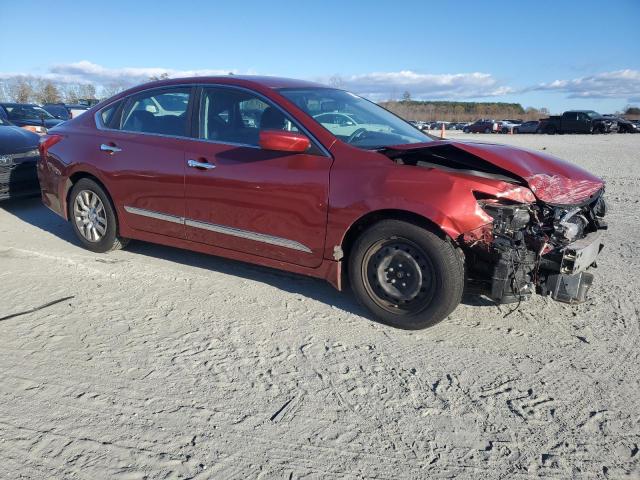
[[197, 164], [110, 148]]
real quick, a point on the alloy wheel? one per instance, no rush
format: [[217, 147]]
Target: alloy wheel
[[90, 216]]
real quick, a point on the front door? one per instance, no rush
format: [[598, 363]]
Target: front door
[[240, 197]]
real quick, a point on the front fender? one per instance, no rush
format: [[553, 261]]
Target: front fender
[[445, 199]]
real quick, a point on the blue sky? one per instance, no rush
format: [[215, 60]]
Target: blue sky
[[555, 54]]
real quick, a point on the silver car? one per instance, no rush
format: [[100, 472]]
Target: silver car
[[528, 127]]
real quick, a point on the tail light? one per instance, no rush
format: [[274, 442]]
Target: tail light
[[46, 142]]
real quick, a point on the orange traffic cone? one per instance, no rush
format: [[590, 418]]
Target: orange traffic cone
[[442, 131]]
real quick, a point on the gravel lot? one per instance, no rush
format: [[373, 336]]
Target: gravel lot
[[161, 363]]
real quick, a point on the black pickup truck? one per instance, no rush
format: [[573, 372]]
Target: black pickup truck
[[578, 121]]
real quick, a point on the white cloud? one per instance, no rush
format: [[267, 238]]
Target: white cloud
[[377, 85], [88, 72], [385, 85], [617, 84]]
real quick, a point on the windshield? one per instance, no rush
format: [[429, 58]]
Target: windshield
[[4, 122], [26, 112], [371, 126]]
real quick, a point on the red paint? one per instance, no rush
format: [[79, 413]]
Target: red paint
[[280, 141], [308, 198]]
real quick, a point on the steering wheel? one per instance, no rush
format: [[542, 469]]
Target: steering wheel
[[359, 134]]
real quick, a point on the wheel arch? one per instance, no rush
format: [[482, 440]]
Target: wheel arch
[[75, 178], [371, 218]]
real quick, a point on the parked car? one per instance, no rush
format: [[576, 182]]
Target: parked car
[[64, 111], [346, 124], [578, 121], [624, 125], [18, 157], [481, 126], [28, 115], [405, 219], [506, 126], [532, 126]]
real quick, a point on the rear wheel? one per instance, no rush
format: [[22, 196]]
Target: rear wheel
[[551, 130], [93, 217], [407, 276], [487, 130]]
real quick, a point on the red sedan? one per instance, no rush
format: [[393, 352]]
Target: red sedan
[[320, 182]]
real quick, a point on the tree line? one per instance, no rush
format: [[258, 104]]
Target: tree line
[[32, 89], [449, 111]]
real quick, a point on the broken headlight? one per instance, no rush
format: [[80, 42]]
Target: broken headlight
[[570, 225], [507, 219]]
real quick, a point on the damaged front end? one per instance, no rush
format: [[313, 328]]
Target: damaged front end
[[540, 219], [535, 247]]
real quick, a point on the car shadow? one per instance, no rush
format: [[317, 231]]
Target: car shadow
[[32, 211]]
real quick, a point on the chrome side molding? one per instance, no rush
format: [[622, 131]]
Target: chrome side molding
[[225, 230], [151, 214]]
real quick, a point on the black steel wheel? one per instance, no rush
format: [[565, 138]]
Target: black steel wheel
[[406, 275]]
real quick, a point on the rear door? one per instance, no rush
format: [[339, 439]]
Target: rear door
[[240, 197], [143, 147]]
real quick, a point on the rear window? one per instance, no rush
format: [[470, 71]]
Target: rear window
[[107, 114]]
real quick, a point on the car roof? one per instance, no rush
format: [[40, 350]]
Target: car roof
[[240, 80], [14, 104]]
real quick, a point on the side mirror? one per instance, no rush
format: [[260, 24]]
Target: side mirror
[[283, 141]]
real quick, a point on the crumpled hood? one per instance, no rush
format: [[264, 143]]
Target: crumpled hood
[[551, 179]]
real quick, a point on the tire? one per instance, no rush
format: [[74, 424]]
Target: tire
[[432, 268], [487, 130], [96, 226], [465, 130], [551, 130]]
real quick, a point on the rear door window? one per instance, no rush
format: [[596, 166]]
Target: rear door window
[[162, 112]]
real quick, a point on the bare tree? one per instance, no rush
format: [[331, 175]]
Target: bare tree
[[112, 89], [47, 92], [20, 89], [336, 81], [406, 96], [162, 76], [70, 93], [87, 91], [4, 91]]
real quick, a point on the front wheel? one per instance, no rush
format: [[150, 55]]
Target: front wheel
[[93, 217], [407, 276]]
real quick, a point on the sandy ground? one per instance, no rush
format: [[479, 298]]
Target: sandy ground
[[162, 363]]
